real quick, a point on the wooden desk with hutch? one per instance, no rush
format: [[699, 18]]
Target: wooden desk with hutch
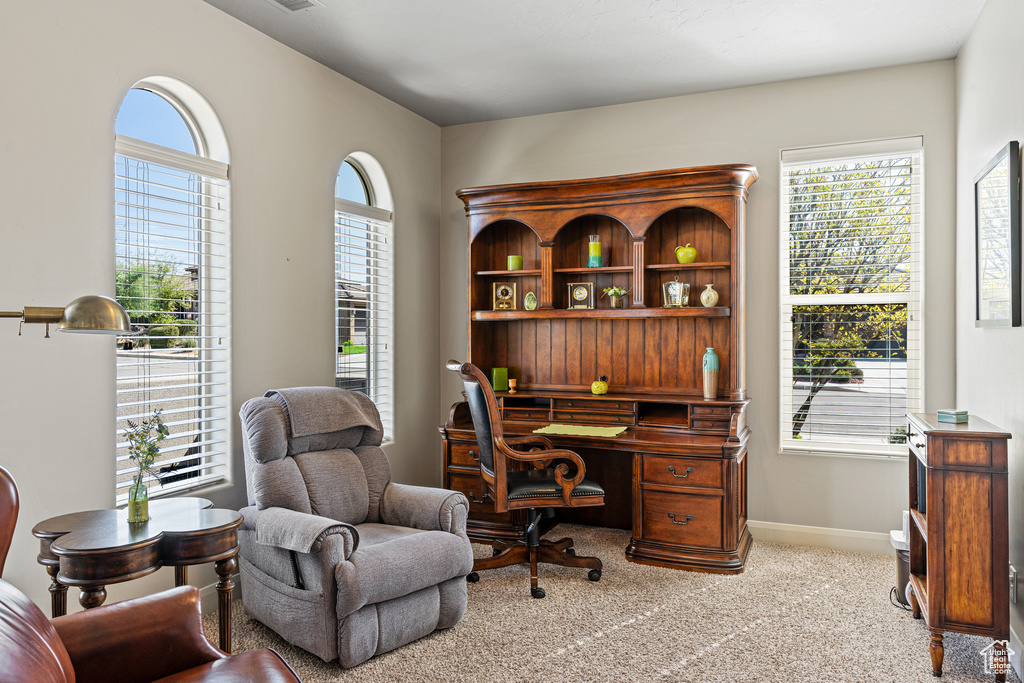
[[677, 475]]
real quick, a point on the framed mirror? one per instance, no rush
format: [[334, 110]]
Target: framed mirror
[[997, 238]]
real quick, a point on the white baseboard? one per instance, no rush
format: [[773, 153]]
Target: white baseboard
[[822, 537], [1015, 652], [208, 594]]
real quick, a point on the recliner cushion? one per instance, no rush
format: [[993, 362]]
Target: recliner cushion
[[394, 563], [336, 483]]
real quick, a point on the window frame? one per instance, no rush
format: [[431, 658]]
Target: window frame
[[212, 385], [912, 147], [380, 323]]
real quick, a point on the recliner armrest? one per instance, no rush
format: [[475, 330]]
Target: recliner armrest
[[425, 508], [298, 531], [138, 640]]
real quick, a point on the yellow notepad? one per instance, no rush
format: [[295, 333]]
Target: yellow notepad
[[580, 430]]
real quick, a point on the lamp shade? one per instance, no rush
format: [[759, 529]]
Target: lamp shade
[[97, 314]]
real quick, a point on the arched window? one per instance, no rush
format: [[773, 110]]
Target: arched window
[[363, 280], [172, 275]]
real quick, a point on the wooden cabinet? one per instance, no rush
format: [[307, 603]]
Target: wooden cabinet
[[651, 354], [959, 548]]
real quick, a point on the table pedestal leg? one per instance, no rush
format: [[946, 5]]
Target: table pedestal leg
[[92, 596], [225, 568], [181, 575], [58, 593]]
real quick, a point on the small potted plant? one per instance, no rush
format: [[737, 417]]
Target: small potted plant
[[615, 295], [143, 449]]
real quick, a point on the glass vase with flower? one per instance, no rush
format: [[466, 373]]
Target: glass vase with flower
[[144, 439]]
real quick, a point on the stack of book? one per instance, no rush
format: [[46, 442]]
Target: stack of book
[[951, 415]]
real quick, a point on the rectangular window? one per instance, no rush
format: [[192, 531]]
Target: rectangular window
[[173, 279], [363, 294], [851, 289]]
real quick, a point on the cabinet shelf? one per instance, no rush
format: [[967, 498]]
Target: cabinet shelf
[[599, 269], [717, 265], [922, 524], [691, 312], [509, 273]]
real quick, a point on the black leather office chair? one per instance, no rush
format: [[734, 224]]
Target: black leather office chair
[[557, 479]]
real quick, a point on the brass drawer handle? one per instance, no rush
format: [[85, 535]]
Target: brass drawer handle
[[672, 469], [617, 419], [474, 456], [689, 518], [474, 499], [526, 415], [569, 403]]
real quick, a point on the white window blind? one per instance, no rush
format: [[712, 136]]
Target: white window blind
[[364, 312], [851, 294], [173, 278]]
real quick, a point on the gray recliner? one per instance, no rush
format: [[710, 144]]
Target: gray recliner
[[333, 556]]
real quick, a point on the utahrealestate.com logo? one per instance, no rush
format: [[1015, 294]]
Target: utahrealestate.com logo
[[997, 657]]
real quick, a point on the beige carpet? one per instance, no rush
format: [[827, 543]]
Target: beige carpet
[[796, 614]]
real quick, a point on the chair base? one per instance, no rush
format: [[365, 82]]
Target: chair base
[[553, 552]]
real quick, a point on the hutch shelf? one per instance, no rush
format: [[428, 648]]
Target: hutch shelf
[[677, 476]]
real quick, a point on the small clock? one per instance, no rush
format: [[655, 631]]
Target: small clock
[[503, 296], [581, 295]]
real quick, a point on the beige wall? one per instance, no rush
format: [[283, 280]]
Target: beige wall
[[748, 125], [990, 362], [65, 66]]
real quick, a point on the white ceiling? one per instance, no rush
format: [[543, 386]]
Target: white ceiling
[[460, 61]]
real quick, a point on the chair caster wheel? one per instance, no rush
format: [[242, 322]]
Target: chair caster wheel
[[472, 577], [570, 551], [594, 575], [537, 593]]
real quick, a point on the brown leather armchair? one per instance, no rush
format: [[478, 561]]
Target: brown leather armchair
[[159, 637]]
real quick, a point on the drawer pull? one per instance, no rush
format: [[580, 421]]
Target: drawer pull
[[617, 419], [569, 404], [672, 469], [482, 500], [474, 456], [919, 445], [689, 518]]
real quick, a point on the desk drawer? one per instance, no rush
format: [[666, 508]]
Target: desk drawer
[[710, 425], [593, 404], [599, 418], [481, 505], [711, 412], [464, 455], [525, 414], [660, 469], [695, 520]]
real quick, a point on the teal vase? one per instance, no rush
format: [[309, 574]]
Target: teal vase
[[710, 374]]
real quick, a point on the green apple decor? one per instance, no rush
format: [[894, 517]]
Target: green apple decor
[[600, 386], [686, 254]]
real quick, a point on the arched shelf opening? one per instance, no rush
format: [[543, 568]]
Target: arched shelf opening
[[706, 233], [490, 262], [573, 263]]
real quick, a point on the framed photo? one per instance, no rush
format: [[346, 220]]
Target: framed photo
[[581, 295], [997, 238]]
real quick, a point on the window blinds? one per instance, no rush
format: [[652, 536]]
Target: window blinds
[[364, 304], [173, 278], [850, 328]]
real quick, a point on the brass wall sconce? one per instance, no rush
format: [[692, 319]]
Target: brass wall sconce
[[91, 313]]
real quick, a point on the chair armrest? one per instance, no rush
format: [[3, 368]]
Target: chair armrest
[[425, 508], [545, 458], [138, 640], [298, 531]]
